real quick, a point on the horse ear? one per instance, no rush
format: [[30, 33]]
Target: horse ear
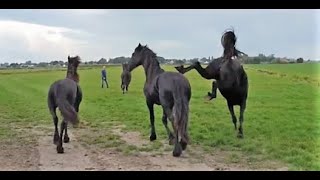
[[139, 45]]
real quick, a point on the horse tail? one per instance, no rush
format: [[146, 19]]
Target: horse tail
[[181, 111], [67, 110]]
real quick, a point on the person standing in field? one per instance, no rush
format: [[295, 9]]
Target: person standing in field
[[104, 77]]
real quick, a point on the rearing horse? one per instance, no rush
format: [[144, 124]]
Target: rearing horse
[[171, 90], [65, 94], [231, 79]]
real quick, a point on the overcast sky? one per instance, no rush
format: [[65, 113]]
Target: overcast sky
[[46, 35]]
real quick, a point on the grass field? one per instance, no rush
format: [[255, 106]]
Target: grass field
[[281, 120]]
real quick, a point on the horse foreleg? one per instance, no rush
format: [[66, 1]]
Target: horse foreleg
[[59, 146], [241, 119], [233, 116], [213, 93], [153, 135]]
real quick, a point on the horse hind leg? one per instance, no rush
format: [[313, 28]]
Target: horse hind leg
[[66, 138], [177, 151], [60, 149], [165, 123], [233, 116], [55, 122], [184, 143], [241, 119], [122, 87]]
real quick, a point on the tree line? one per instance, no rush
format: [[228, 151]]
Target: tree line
[[261, 58]]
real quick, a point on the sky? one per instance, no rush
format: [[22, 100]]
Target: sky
[[43, 35]]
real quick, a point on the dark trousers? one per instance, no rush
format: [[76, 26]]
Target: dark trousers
[[104, 80]]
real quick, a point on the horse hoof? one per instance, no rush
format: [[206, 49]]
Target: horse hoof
[[240, 136], [60, 150], [183, 145], [177, 153], [66, 139], [153, 137]]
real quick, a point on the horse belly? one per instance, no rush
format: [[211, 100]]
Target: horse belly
[[234, 98]]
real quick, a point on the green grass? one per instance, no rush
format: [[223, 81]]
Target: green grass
[[281, 119], [310, 69]]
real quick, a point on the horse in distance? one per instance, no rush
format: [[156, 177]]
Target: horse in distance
[[171, 90], [125, 78], [65, 94], [231, 78]]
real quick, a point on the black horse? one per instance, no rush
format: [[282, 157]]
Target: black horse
[[171, 90], [125, 78], [65, 94], [231, 78]]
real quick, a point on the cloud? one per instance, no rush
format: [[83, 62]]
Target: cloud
[[92, 34], [38, 40]]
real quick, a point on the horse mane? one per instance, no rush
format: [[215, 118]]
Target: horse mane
[[73, 63], [145, 49], [228, 41]]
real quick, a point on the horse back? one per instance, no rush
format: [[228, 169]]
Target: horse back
[[64, 88]]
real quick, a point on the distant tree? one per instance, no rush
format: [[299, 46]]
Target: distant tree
[[179, 62], [161, 60], [28, 63], [14, 65], [102, 61], [42, 64], [193, 60], [54, 63], [300, 60], [203, 60]]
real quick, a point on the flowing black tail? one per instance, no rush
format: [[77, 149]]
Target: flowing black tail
[[67, 111], [181, 112]]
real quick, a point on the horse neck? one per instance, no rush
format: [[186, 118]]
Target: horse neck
[[151, 68], [72, 74]]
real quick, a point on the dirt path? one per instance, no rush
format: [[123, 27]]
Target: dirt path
[[75, 157], [87, 157]]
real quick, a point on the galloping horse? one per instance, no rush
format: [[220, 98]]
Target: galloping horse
[[65, 94]]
